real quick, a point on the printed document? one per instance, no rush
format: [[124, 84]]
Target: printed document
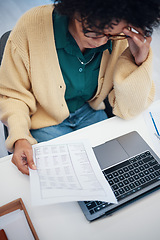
[[67, 171]]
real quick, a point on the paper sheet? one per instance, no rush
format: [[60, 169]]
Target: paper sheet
[[16, 226], [152, 119], [67, 172]]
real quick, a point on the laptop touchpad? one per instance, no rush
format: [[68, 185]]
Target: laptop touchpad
[[110, 153]]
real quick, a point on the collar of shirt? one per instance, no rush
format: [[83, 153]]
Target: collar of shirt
[[65, 40]]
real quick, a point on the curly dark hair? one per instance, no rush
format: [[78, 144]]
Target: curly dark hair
[[144, 14]]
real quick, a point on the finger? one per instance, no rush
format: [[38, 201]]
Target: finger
[[21, 165], [23, 156], [138, 39], [25, 169], [29, 158], [140, 42], [136, 30], [23, 161], [132, 34]]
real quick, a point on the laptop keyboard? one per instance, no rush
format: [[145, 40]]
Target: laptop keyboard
[[128, 177]]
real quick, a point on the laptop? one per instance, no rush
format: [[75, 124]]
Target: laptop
[[131, 168]]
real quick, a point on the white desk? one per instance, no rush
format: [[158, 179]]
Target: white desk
[[140, 220]]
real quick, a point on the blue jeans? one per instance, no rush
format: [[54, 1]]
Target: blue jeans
[[82, 117]]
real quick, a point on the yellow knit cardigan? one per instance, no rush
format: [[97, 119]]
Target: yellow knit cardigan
[[32, 88]]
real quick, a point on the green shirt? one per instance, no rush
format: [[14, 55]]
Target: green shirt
[[81, 80]]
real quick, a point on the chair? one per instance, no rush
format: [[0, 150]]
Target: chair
[[3, 41]]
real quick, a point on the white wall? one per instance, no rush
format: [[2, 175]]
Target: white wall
[[155, 44], [11, 10]]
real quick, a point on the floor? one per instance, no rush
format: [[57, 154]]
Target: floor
[[10, 12]]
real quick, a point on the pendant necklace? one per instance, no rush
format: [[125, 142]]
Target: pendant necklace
[[85, 63]]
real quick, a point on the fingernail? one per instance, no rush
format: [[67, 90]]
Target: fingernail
[[34, 167], [126, 30]]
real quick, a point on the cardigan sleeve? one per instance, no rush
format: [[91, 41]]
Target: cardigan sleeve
[[133, 89], [17, 102]]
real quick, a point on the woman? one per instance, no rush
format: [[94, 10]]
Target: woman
[[62, 61]]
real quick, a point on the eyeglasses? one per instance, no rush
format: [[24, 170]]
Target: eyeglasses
[[92, 34]]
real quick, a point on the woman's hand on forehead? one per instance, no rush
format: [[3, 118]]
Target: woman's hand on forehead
[[139, 44]]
